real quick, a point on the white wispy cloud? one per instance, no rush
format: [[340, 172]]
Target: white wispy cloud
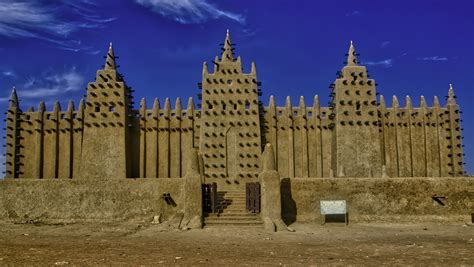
[[385, 43], [52, 85], [47, 22], [386, 63], [49, 85], [9, 74], [433, 58], [190, 11]]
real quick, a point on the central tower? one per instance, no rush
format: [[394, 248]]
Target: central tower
[[230, 139], [356, 147]]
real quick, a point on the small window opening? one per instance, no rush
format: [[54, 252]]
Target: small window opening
[[247, 105], [74, 116], [295, 113], [210, 106], [27, 117], [224, 106], [358, 106], [310, 114], [280, 113], [48, 117], [229, 82], [97, 109], [62, 116], [235, 106], [184, 114], [112, 108]]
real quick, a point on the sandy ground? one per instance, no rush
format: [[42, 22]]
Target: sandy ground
[[312, 244]]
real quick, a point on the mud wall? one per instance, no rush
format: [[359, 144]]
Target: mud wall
[[395, 200], [88, 200]]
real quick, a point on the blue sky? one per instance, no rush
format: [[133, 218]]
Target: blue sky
[[49, 50]]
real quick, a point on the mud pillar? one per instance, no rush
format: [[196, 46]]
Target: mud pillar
[[271, 193]]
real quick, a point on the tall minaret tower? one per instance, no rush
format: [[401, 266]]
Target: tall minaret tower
[[11, 150], [356, 150], [107, 123], [230, 140]]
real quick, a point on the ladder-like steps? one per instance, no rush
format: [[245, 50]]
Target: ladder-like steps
[[232, 211]]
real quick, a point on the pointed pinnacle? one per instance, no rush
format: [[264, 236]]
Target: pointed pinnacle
[[351, 56], [382, 101], [110, 59], [302, 104], [408, 103], [204, 68], [41, 107], [81, 105], [57, 107], [142, 105], [156, 107], [177, 106], [253, 69], [316, 101], [190, 105], [227, 54], [70, 107], [435, 101], [395, 102], [451, 96], [271, 104], [422, 102], [14, 99]]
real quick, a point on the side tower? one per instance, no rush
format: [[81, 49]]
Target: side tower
[[11, 146], [230, 139], [105, 149], [356, 150]]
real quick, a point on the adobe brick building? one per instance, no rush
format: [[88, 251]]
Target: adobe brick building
[[357, 135]]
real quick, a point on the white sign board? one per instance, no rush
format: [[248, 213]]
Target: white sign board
[[333, 207]]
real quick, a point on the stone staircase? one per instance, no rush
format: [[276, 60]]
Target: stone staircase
[[232, 211]]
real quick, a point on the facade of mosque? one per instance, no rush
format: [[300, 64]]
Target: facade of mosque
[[357, 135]]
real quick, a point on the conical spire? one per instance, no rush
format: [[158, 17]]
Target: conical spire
[[80, 109], [435, 101], [205, 70], [177, 107], [395, 103], [190, 108], [351, 56], [423, 102], [41, 107], [110, 59], [382, 102], [14, 99], [451, 96], [167, 108], [288, 107], [253, 69], [227, 53], [143, 108], [57, 107], [408, 103], [70, 107], [156, 108], [302, 107]]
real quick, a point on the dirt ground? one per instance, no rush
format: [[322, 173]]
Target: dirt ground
[[312, 244]]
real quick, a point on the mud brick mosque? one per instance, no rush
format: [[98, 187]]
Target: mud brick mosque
[[232, 160], [357, 135]]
